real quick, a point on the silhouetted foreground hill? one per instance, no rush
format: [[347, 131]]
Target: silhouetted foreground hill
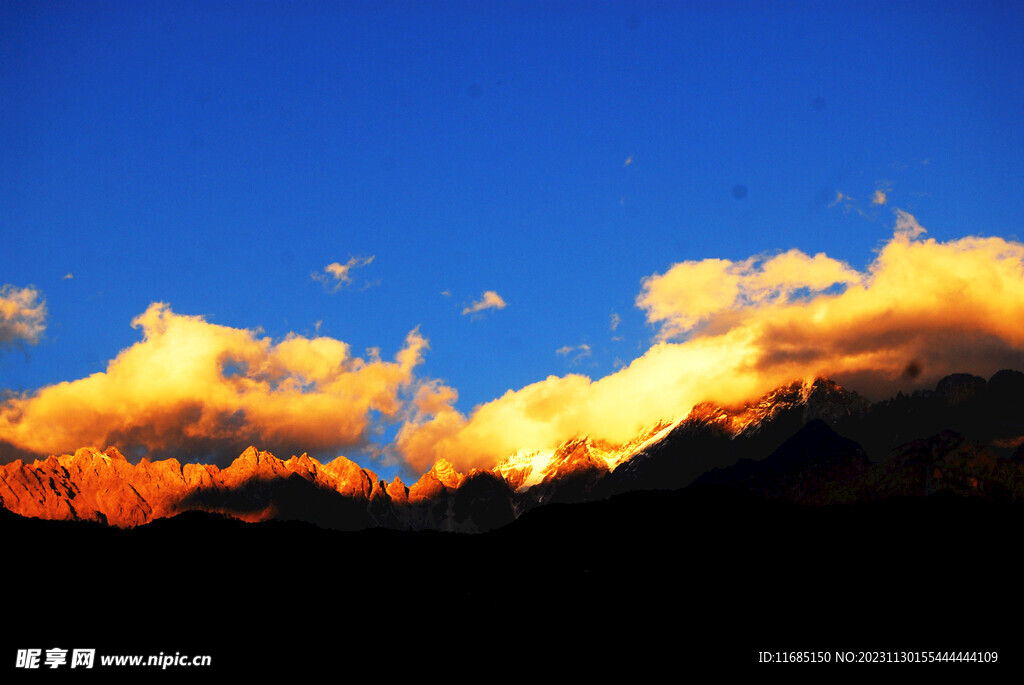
[[698, 580]]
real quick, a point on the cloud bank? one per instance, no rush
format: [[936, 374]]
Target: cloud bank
[[22, 315], [727, 331], [195, 389]]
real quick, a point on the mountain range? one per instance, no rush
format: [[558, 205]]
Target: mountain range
[[809, 442]]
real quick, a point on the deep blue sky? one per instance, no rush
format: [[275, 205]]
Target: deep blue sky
[[214, 155]]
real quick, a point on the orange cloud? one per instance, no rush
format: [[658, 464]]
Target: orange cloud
[[433, 397], [729, 331], [194, 388], [490, 300], [22, 315]]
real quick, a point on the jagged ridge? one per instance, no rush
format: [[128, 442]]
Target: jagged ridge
[[103, 486]]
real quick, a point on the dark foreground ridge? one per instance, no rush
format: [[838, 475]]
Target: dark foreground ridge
[[695, 579]]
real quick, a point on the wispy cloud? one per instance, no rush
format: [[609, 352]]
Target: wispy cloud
[[848, 203], [840, 198], [336, 275], [907, 227], [615, 321], [881, 196], [578, 352], [68, 276], [489, 300], [22, 315]]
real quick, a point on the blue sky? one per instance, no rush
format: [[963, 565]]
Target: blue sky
[[214, 156]]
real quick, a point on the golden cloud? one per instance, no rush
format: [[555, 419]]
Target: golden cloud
[[729, 331], [22, 315], [692, 292], [194, 388]]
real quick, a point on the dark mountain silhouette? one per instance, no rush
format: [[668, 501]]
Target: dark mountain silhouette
[[811, 467], [989, 413]]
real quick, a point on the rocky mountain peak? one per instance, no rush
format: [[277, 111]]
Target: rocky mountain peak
[[86, 454], [445, 473], [114, 454], [820, 398], [251, 455], [960, 387]]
